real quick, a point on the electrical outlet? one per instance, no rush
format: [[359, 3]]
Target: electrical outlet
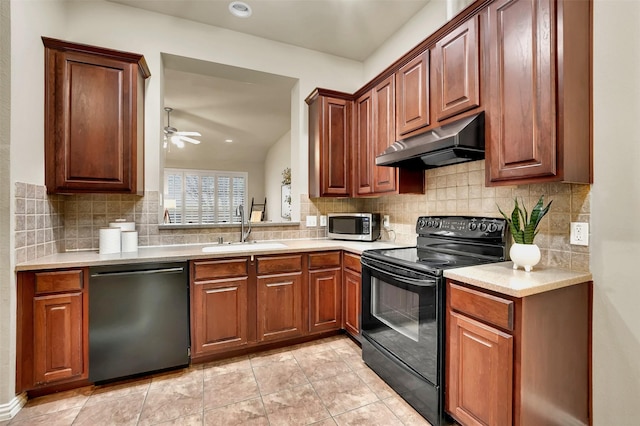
[[579, 234], [386, 223], [312, 221], [323, 220]]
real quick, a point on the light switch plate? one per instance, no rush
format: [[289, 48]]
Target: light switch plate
[[579, 235], [323, 220], [312, 221]]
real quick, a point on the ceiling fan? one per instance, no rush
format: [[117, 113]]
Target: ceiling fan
[[171, 134]]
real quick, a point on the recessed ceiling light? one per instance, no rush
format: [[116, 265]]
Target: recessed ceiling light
[[240, 9], [228, 140]]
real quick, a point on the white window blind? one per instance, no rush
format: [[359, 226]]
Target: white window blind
[[205, 196]]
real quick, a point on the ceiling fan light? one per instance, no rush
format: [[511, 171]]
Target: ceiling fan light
[[178, 143], [240, 9]]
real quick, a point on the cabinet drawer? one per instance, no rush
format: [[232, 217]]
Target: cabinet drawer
[[223, 268], [58, 281], [279, 264], [352, 262], [324, 260], [486, 307]]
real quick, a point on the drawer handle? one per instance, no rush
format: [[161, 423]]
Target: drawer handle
[[221, 290], [280, 284]]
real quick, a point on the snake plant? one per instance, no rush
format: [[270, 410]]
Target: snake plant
[[522, 226]]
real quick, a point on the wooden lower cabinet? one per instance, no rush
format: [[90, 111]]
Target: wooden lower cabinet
[[520, 361], [219, 314], [352, 294], [279, 306], [325, 291], [58, 340], [53, 332], [219, 305], [480, 372]]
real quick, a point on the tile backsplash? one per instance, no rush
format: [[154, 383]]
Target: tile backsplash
[[47, 224], [460, 190], [38, 222]]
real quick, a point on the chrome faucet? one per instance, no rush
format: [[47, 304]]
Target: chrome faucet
[[243, 236]]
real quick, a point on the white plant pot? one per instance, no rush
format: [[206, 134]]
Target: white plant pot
[[525, 255]]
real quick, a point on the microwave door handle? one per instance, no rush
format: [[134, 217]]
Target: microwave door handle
[[429, 282]]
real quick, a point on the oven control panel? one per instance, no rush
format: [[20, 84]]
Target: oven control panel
[[461, 226]]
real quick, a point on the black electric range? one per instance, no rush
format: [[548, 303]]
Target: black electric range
[[403, 303]]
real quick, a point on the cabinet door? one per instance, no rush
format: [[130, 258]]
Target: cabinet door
[[219, 315], [335, 147], [325, 300], [412, 96], [351, 301], [480, 366], [94, 119], [457, 72], [383, 133], [522, 68], [58, 337], [363, 155], [279, 306]]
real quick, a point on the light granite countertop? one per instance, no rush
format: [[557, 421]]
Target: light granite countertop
[[184, 252], [502, 278]]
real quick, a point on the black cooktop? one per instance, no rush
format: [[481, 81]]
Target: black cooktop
[[446, 242], [424, 260]]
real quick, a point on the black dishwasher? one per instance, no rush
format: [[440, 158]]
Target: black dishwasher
[[138, 319]]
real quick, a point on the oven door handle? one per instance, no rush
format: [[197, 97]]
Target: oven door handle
[[429, 282]]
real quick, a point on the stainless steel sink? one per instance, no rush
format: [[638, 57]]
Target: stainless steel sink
[[237, 247]]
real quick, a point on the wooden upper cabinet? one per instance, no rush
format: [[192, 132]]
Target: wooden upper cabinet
[[363, 157], [457, 71], [384, 178], [412, 96], [94, 119], [329, 143], [374, 132], [539, 117]]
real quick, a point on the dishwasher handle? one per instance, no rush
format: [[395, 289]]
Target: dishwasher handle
[[177, 270]]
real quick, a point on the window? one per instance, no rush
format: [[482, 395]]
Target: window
[[204, 196]]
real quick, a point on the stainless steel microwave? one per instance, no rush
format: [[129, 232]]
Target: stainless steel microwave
[[354, 226]]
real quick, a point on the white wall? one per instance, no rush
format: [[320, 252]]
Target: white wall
[[7, 291], [615, 212], [22, 106], [278, 158], [424, 23]]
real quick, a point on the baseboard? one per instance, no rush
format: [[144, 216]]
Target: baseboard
[[11, 408]]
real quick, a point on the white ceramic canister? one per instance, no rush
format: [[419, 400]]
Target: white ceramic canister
[[129, 241], [109, 240]]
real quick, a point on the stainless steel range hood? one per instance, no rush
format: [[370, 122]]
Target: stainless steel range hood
[[460, 141]]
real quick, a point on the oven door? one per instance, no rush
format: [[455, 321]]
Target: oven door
[[402, 314]]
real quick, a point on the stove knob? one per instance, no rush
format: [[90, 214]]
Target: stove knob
[[473, 226], [421, 223], [483, 226], [436, 224], [492, 227]]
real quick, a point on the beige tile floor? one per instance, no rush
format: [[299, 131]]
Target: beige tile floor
[[323, 382]]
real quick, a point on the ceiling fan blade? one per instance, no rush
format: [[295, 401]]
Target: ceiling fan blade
[[188, 133], [188, 139]]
